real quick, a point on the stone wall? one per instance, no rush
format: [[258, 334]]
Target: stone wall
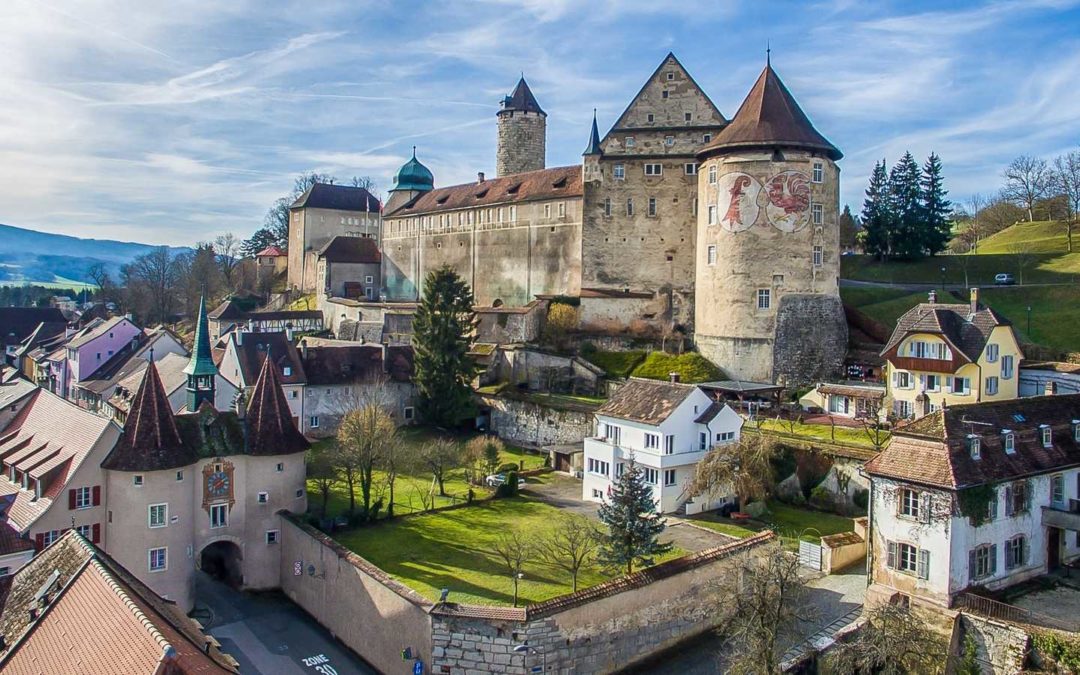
[[811, 339], [506, 325], [523, 422], [1000, 648], [541, 371], [522, 142]]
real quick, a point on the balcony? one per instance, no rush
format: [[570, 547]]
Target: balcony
[[1063, 518], [651, 458]]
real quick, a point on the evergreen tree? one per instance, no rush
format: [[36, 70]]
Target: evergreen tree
[[849, 227], [936, 227], [634, 526], [260, 240], [876, 217], [905, 205], [442, 327]]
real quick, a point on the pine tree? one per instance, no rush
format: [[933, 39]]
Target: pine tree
[[905, 204], [937, 229], [442, 327], [876, 217], [634, 526], [849, 227]]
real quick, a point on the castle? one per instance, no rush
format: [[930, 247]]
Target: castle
[[677, 221]]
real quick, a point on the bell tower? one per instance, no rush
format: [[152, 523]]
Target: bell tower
[[201, 371]]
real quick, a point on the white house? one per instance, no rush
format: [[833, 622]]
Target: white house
[[242, 363], [667, 427], [978, 495]]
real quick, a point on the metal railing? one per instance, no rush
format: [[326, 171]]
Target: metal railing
[[993, 609]]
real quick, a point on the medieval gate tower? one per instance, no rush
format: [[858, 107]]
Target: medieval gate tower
[[767, 302], [522, 142]]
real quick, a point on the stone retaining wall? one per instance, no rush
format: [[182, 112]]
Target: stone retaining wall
[[533, 425]]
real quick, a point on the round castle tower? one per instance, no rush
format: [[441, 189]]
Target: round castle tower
[[522, 129], [767, 304]]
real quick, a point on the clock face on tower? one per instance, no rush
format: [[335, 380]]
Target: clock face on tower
[[217, 482]]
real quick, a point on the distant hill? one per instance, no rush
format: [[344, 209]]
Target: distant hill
[[1041, 236], [28, 256]]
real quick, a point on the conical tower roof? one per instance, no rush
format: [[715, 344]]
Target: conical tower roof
[[770, 118], [202, 362], [150, 441], [270, 427], [521, 100], [594, 138]]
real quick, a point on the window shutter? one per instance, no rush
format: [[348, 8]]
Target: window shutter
[[95, 535], [971, 565], [1023, 550], [97, 495], [924, 508], [890, 561], [71, 499], [993, 559], [1008, 501], [924, 563], [39, 538]]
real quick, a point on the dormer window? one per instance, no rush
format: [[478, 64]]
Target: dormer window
[[1047, 435], [1076, 430], [287, 371], [974, 446], [1008, 440]]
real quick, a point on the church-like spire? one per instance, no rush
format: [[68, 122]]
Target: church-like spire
[[200, 370], [594, 138], [522, 100], [150, 441], [270, 426]]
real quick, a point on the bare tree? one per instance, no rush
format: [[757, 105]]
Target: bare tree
[[1066, 174], [514, 550], [397, 456], [976, 201], [743, 468], [1027, 180], [893, 641], [151, 281], [440, 456], [1023, 256], [322, 468], [227, 247], [571, 545], [363, 438]]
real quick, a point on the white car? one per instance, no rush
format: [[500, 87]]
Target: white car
[[497, 479]]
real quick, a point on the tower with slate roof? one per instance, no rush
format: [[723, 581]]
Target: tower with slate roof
[[522, 133], [201, 371]]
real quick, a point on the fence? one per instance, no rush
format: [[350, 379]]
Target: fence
[[992, 609]]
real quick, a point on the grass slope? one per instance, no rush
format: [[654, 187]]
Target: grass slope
[[1047, 236], [1055, 313], [691, 367], [616, 364], [789, 522], [884, 305]]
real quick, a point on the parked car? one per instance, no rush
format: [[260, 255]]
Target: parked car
[[1004, 279], [497, 479]]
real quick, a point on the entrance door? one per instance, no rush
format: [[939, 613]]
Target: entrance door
[[1053, 549], [562, 462]]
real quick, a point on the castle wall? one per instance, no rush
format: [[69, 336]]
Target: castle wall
[[310, 229], [522, 142], [766, 245]]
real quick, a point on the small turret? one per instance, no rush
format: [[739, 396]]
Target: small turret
[[522, 133], [590, 162], [270, 427], [412, 180], [201, 371]]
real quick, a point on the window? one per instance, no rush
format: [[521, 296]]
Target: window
[[292, 394], [1047, 435], [911, 504], [991, 353], [710, 254], [82, 498], [619, 172], [1008, 441], [280, 467], [179, 476], [50, 536], [409, 413], [263, 497], [817, 213], [690, 169], [613, 433], [562, 209], [664, 94], [902, 379], [85, 532], [287, 371], [909, 559], [669, 445], [703, 440], [271, 536], [652, 441], [818, 174], [903, 409], [982, 561], [158, 515], [705, 138], [670, 75], [652, 207], [654, 169], [669, 141], [1016, 501], [159, 558], [137, 480], [1016, 552], [650, 118], [629, 142], [669, 477], [547, 210], [992, 385], [300, 493], [219, 515], [818, 256], [597, 494], [599, 467], [513, 214], [629, 207], [712, 214], [1006, 367], [933, 382], [314, 422], [652, 476], [961, 386], [712, 175], [619, 469], [974, 446], [725, 436], [1057, 489], [764, 298], [1076, 430], [4, 571]]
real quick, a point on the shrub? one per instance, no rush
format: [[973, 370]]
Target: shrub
[[861, 498], [587, 349], [821, 498], [616, 364], [510, 487], [691, 367], [509, 466]]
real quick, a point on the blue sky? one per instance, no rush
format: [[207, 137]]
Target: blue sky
[[185, 121]]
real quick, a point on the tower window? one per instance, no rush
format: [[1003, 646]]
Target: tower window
[[607, 206], [654, 169], [817, 213], [712, 175], [562, 209], [817, 256], [629, 141], [670, 76], [764, 298], [547, 210], [705, 138], [652, 206], [689, 117], [619, 172], [710, 255], [664, 94], [690, 169], [818, 175], [712, 214], [629, 207], [650, 117]]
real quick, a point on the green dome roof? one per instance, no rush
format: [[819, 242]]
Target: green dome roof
[[414, 176]]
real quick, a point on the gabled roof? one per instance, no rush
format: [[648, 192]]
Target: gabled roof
[[202, 362], [328, 365], [769, 117], [343, 249], [170, 369], [270, 427], [562, 181], [94, 330], [46, 332], [271, 252], [933, 450], [150, 441], [646, 401], [967, 332], [17, 323], [521, 100], [13, 388], [97, 617], [252, 351], [11, 542], [230, 309], [337, 198], [630, 114]]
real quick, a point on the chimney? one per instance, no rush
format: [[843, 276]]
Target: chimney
[[974, 300], [241, 406], [673, 377], [303, 350], [933, 297], [479, 176], [1050, 388], [289, 332], [239, 336]]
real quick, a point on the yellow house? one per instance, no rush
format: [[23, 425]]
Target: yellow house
[[944, 354]]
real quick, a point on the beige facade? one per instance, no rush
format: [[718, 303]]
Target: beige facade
[[312, 228]]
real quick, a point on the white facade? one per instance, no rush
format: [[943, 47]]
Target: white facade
[[231, 371], [668, 452]]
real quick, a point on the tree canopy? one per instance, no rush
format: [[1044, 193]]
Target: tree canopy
[[442, 327]]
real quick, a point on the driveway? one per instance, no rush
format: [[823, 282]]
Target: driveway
[[268, 634]]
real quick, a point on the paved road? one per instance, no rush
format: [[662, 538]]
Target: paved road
[[269, 635], [913, 287]]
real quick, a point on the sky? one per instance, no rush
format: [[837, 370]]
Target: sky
[[174, 122]]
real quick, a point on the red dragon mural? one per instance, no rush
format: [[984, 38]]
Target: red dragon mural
[[734, 214]]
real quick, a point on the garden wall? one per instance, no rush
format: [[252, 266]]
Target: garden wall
[[529, 424]]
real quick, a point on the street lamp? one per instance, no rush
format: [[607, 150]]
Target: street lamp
[[526, 649], [1029, 322], [943, 279]]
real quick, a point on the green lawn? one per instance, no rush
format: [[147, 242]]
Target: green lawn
[[691, 367], [1055, 313], [1045, 268], [789, 522], [408, 488], [616, 364], [451, 549], [884, 305], [823, 432], [1042, 236]]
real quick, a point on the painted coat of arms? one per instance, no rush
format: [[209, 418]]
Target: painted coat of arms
[[737, 201], [788, 208]]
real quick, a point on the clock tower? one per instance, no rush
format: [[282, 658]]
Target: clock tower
[[201, 371]]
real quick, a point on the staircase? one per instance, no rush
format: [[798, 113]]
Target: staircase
[[819, 641]]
